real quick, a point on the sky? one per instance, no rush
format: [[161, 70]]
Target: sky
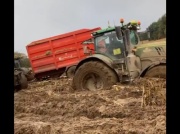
[[39, 19]]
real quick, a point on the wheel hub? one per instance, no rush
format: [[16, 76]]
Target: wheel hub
[[92, 82]]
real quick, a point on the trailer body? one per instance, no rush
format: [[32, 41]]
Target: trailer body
[[52, 56]]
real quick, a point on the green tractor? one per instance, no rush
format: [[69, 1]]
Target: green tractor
[[21, 75], [119, 57]]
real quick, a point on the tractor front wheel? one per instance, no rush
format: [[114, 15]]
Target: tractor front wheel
[[157, 72]]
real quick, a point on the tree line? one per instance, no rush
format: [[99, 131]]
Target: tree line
[[156, 30]]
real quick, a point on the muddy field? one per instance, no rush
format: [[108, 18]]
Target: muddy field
[[53, 107]]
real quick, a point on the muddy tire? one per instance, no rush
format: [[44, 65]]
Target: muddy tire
[[30, 77], [94, 76], [157, 72], [23, 81], [70, 71]]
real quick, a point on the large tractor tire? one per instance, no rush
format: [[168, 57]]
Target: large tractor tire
[[70, 71], [94, 76], [157, 72], [23, 82]]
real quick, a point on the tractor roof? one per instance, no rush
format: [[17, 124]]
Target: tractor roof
[[131, 25], [104, 30]]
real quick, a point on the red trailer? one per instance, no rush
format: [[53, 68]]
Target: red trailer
[[55, 55]]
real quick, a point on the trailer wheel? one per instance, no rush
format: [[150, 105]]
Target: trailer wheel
[[70, 71], [157, 72], [23, 81], [93, 76]]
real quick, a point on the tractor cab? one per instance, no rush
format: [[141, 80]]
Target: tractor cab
[[107, 43]]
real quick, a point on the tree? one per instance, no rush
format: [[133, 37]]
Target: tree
[[162, 27], [157, 29], [153, 29]]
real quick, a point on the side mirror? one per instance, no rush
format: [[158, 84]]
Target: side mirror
[[127, 34], [118, 32]]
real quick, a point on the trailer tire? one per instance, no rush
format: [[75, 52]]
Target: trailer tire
[[157, 72], [70, 71], [94, 75]]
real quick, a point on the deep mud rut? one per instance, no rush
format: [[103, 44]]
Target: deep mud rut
[[53, 107]]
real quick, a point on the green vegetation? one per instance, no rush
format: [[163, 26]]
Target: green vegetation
[[157, 30]]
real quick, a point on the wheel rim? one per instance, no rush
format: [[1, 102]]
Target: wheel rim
[[92, 82]]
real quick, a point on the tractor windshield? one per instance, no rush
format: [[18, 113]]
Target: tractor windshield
[[109, 45], [134, 38]]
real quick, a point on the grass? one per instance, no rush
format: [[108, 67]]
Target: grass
[[147, 41]]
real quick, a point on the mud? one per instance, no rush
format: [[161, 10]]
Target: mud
[[53, 107]]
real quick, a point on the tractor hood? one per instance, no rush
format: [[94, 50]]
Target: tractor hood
[[151, 49]]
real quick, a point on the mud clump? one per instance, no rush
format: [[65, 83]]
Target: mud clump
[[53, 107]]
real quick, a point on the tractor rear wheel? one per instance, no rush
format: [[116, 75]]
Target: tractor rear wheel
[[93, 76], [157, 72]]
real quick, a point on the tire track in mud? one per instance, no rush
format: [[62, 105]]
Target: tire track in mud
[[53, 107]]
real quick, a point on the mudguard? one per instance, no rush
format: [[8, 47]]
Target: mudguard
[[25, 70], [99, 57], [162, 62], [16, 72]]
